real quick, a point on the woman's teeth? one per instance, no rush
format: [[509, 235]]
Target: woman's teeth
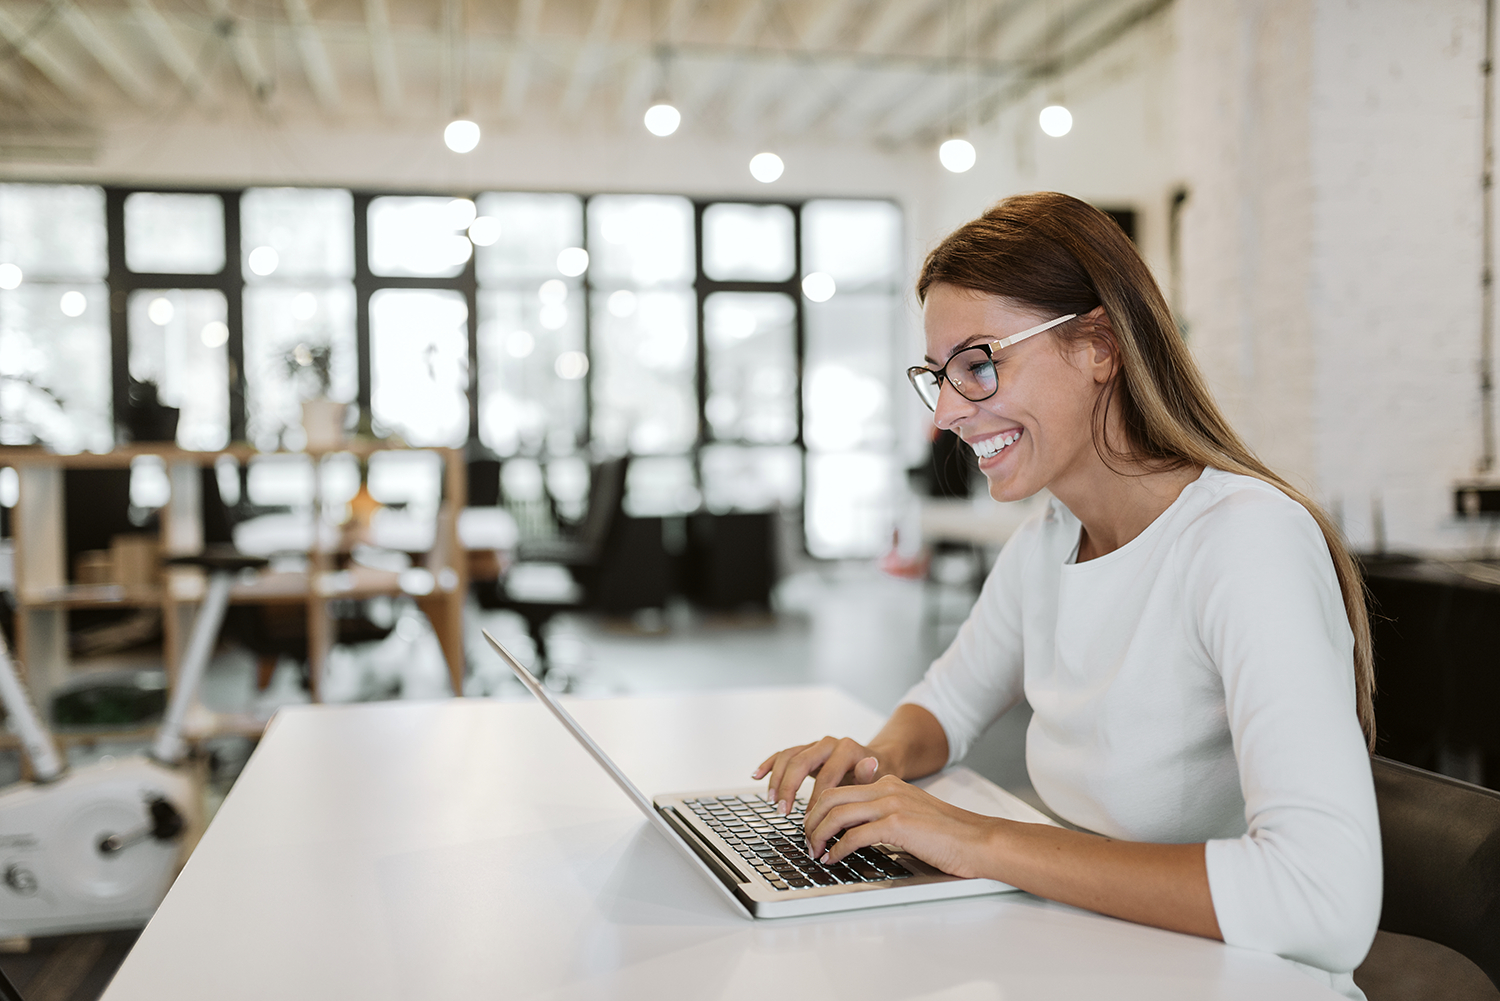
[[992, 446]]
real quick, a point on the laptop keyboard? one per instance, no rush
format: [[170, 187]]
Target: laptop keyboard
[[777, 847]]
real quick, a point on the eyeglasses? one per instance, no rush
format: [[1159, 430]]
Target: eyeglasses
[[972, 370]]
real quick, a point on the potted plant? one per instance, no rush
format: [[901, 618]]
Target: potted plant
[[309, 366]]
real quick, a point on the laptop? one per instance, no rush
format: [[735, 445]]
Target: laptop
[[759, 859]]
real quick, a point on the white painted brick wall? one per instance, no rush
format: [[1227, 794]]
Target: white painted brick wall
[[1332, 244], [1397, 152]]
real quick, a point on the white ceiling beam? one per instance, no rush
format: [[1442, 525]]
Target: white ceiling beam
[[1054, 38], [640, 78], [679, 15], [518, 70], [751, 16], [991, 33], [170, 50], [38, 53], [383, 55], [989, 29], [894, 21], [923, 108], [320, 75], [122, 71], [860, 115], [242, 47], [590, 58], [822, 30], [12, 83], [649, 71]]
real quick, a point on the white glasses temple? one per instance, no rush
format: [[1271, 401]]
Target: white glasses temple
[[1017, 338]]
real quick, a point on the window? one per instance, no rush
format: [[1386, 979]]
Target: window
[[552, 328], [531, 349], [644, 349], [177, 344], [751, 342], [55, 382], [174, 233], [419, 352], [420, 237], [297, 253], [749, 242], [848, 383]]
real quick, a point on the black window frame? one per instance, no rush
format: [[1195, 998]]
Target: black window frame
[[230, 281]]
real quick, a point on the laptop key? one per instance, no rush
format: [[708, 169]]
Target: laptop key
[[865, 869]]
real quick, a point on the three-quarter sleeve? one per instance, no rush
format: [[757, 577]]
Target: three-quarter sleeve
[[1304, 881], [979, 676]]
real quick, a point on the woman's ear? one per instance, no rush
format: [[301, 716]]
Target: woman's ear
[[1102, 357]]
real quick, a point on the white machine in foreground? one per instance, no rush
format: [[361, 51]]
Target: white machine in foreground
[[97, 847]]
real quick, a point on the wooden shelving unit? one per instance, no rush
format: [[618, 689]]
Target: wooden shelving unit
[[45, 594]]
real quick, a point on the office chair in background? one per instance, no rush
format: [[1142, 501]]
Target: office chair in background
[[581, 553]]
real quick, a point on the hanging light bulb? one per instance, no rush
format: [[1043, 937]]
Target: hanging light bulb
[[662, 119], [1056, 120], [957, 155], [461, 135], [766, 167]]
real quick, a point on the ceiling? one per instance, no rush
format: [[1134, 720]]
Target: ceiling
[[891, 72]]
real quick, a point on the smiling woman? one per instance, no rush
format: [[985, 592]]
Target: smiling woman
[[1189, 630]]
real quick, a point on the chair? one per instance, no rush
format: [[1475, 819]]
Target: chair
[[582, 554], [1442, 861]]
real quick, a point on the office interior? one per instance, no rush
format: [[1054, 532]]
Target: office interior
[[586, 322]]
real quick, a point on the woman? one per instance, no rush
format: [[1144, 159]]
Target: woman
[[1189, 629]]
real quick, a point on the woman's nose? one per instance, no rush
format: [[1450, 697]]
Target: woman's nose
[[951, 407]]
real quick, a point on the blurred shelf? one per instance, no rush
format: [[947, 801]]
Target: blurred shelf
[[90, 596], [123, 455]]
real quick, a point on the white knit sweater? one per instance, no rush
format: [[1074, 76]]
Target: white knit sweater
[[1195, 685]]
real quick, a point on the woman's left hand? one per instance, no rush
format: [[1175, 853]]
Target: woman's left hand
[[889, 811]]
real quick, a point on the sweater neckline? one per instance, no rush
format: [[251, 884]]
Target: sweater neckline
[[1071, 564]]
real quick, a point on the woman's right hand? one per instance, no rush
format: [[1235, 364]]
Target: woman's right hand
[[834, 760]]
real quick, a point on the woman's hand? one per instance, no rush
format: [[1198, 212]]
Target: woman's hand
[[889, 811], [1161, 885], [834, 760], [910, 745]]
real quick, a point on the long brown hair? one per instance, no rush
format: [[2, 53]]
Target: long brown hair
[[1059, 255]]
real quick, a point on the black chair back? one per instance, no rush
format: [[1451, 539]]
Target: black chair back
[[606, 495], [1442, 861]]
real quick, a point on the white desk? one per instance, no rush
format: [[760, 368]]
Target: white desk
[[469, 849]]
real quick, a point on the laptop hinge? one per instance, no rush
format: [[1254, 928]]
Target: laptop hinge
[[721, 866]]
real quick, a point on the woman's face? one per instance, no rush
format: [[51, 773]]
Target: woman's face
[[1044, 404]]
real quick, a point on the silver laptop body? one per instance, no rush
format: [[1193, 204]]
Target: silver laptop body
[[757, 858]]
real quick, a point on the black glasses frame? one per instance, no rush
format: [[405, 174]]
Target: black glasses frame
[[938, 375]]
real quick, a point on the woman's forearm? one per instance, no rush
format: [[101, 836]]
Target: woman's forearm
[[911, 744], [1161, 885]]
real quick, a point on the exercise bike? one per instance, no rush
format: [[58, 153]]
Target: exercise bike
[[97, 847]]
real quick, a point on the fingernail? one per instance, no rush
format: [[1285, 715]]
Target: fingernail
[[824, 859], [784, 807]]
